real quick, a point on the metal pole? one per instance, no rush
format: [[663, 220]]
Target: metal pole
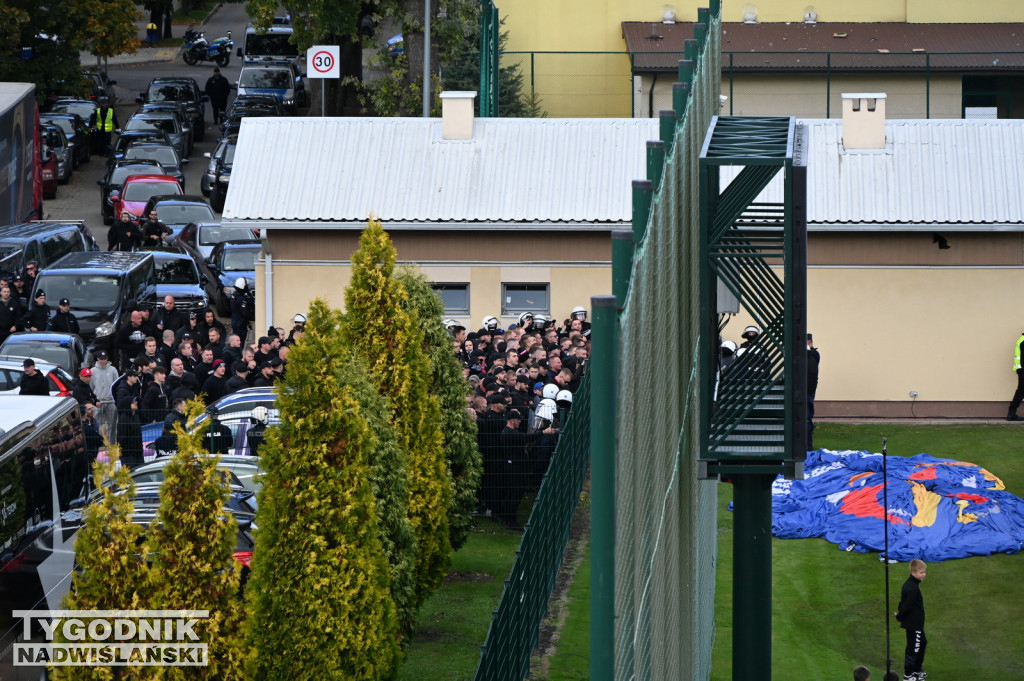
[[426, 58], [885, 520], [828, 85], [622, 263], [752, 577], [323, 98], [604, 374], [642, 194], [927, 86]]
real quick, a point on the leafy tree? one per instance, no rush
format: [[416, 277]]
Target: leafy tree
[[461, 452], [112, 573], [383, 332], [192, 543], [319, 594]]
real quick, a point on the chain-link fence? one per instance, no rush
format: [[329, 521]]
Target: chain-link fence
[[515, 626], [665, 532]]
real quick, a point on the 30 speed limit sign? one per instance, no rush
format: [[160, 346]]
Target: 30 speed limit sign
[[322, 61]]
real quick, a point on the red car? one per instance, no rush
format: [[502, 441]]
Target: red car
[[138, 189]]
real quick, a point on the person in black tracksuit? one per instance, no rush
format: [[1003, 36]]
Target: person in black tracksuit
[[911, 617]]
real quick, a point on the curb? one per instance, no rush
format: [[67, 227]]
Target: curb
[[145, 55]]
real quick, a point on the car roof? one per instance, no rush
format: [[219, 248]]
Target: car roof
[[11, 362], [151, 178], [238, 243], [170, 252], [26, 230], [36, 336], [113, 261], [181, 199]]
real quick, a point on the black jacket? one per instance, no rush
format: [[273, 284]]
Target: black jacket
[[63, 322], [34, 385], [218, 88], [123, 236], [83, 392], [911, 609], [37, 317], [131, 341], [10, 315], [155, 402]]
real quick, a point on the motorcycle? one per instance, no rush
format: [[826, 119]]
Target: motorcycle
[[197, 49]]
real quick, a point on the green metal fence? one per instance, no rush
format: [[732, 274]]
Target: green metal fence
[[665, 535], [515, 625]]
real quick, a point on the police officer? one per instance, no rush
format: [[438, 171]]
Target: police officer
[[104, 124], [243, 308]]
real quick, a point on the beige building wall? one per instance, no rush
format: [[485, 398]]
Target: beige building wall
[[804, 95]]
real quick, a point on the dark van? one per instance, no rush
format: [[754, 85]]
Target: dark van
[[45, 242], [100, 286], [44, 467]]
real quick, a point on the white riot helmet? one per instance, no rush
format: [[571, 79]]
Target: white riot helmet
[[260, 415], [525, 317], [240, 283], [752, 329], [730, 346], [299, 319], [549, 392], [563, 399], [449, 323], [491, 323], [546, 410], [579, 312]]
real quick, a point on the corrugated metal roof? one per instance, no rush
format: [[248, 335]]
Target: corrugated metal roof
[[963, 174], [883, 46], [341, 170]]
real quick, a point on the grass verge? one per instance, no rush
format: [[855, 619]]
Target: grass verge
[[453, 622]]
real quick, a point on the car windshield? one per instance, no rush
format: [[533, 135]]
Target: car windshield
[[143, 191], [229, 154], [160, 124], [87, 292], [63, 123], [83, 109], [184, 214], [240, 260], [275, 44], [214, 234], [120, 174], [278, 79], [170, 92], [49, 353], [177, 270], [165, 156]]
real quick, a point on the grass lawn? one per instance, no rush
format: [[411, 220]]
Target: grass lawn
[[829, 605], [571, 660], [453, 622]]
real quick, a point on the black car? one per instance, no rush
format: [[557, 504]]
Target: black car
[[99, 84], [229, 261], [163, 154], [86, 108], [222, 176], [178, 276], [115, 177], [178, 210], [267, 101], [179, 89], [76, 131], [130, 137]]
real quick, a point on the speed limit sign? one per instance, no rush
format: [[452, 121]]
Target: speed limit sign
[[322, 61]]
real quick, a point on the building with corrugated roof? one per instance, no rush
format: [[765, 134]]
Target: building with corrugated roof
[[506, 215]]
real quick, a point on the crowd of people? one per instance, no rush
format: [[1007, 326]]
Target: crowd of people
[[523, 382]]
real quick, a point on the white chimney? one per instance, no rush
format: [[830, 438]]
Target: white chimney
[[457, 115], [864, 120]]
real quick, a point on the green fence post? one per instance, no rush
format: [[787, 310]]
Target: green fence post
[[715, 7], [604, 374], [622, 263], [680, 95], [667, 128], [700, 33], [642, 193], [752, 576], [691, 48], [655, 162], [685, 72]]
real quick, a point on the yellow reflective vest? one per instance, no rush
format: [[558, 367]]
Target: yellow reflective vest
[[1016, 352], [105, 123]]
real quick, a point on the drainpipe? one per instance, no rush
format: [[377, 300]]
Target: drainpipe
[[268, 278]]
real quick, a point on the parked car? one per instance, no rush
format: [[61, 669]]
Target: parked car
[[163, 154], [12, 368], [177, 275], [198, 240], [138, 189], [57, 142], [86, 108], [165, 123], [115, 177], [42, 242], [235, 411], [64, 349], [100, 287], [176, 109], [129, 137], [269, 102], [282, 80], [229, 261], [222, 176], [48, 170], [242, 471], [178, 211], [210, 176], [179, 89], [77, 132], [100, 85]]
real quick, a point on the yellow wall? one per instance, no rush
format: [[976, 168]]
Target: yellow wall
[[296, 284], [804, 95], [956, 11], [947, 334]]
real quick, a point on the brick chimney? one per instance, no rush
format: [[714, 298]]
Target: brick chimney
[[864, 120], [457, 115]]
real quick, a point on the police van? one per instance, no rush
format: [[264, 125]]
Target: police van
[[44, 467], [271, 45]]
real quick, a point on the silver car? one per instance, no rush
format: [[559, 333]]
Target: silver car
[[162, 122]]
